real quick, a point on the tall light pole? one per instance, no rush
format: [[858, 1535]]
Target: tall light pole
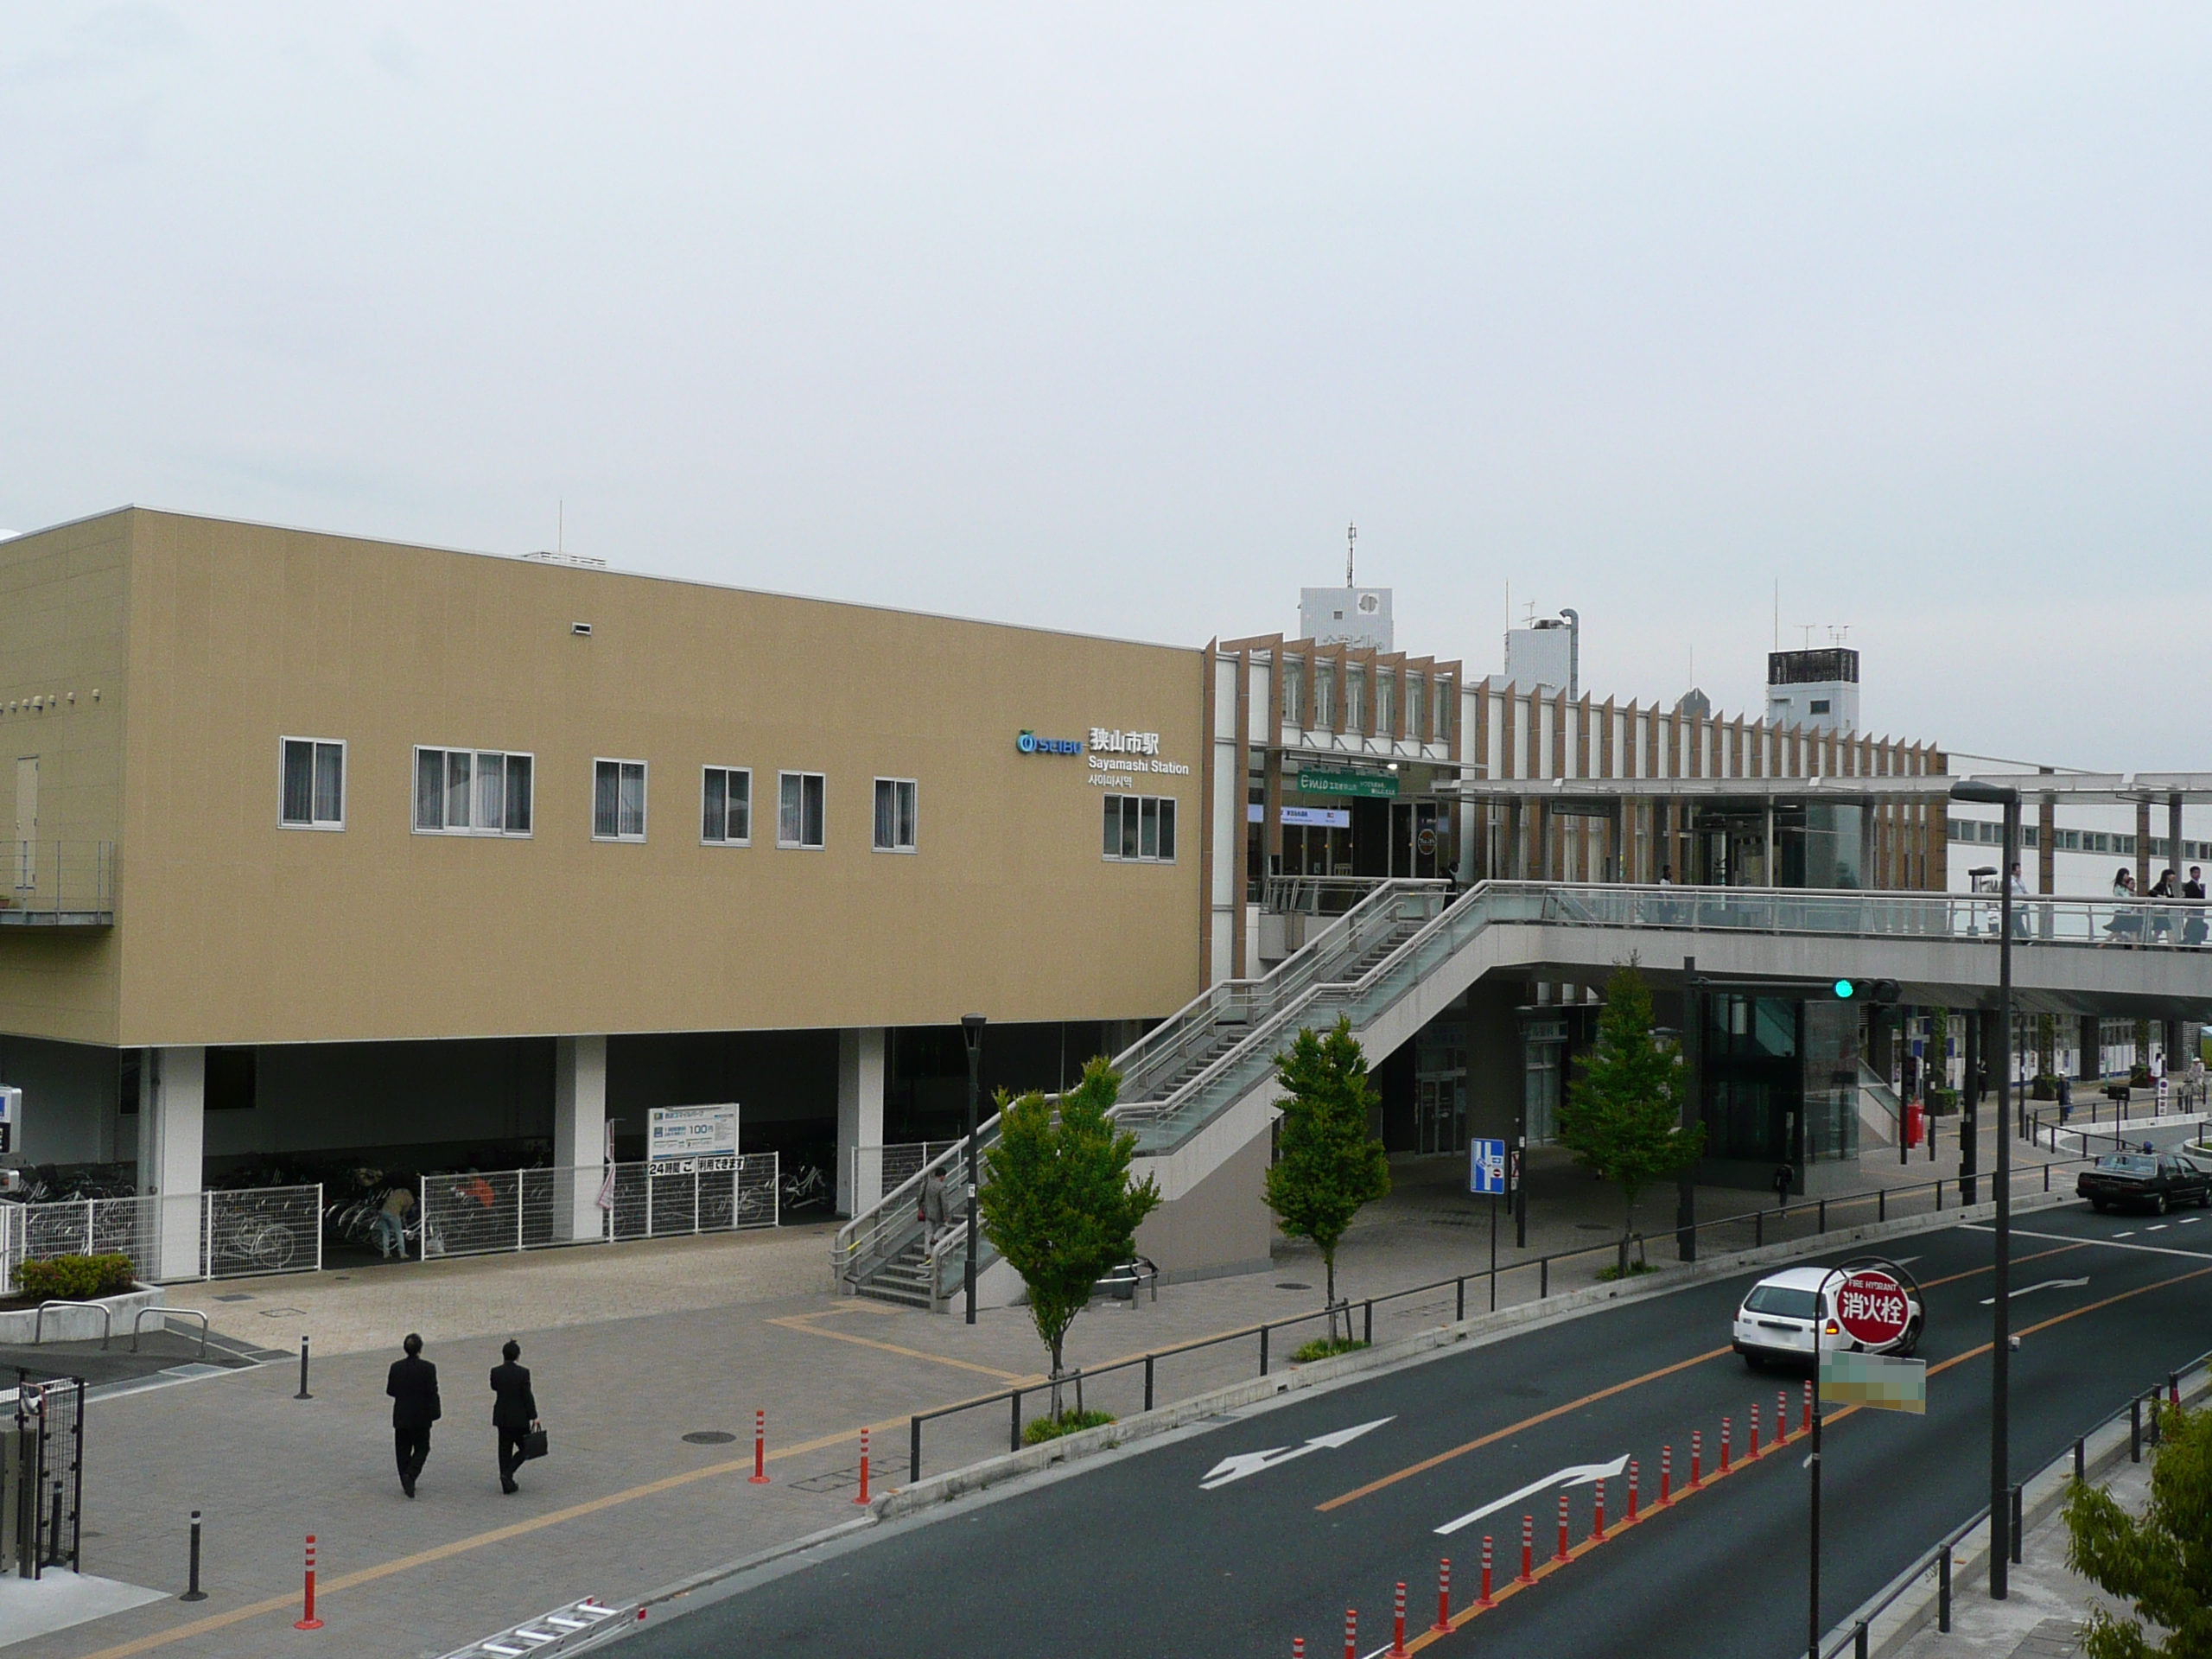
[[971, 1031], [2000, 1509]]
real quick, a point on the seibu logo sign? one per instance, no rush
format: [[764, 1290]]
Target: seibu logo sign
[[1873, 1308]]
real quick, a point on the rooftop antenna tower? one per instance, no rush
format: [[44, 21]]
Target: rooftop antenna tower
[[1351, 541]]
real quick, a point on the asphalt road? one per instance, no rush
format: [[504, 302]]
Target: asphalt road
[[1132, 1556]]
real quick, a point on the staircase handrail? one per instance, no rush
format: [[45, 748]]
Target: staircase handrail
[[883, 1229]]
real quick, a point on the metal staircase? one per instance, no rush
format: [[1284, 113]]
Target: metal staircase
[[878, 1253], [1210, 1066]]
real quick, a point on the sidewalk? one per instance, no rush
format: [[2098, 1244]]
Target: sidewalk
[[2043, 1614], [650, 1361]]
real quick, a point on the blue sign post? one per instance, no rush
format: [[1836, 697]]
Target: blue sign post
[[1486, 1173]]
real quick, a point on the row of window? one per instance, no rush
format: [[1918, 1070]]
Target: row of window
[[1413, 715], [2112, 844], [491, 792], [1140, 829]]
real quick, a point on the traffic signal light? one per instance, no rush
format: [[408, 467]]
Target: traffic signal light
[[1867, 991]]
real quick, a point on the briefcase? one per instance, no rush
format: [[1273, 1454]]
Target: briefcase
[[534, 1444]]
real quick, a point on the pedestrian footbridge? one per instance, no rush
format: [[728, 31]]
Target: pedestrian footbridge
[[1200, 1088]]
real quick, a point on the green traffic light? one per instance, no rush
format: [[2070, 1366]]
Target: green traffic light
[[1843, 987]]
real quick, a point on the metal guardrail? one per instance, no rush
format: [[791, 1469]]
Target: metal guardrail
[[1834, 1212], [57, 884], [1937, 1556]]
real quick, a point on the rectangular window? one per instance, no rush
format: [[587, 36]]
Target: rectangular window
[[897, 800], [618, 800], [1386, 705], [1294, 694], [799, 809], [1439, 725], [1416, 707], [1355, 700], [472, 792], [1325, 695], [725, 806], [311, 786], [1140, 829]]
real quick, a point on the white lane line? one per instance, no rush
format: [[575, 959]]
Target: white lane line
[[2130, 1233], [2067, 1238], [2189, 1221], [2029, 1290], [2158, 1227]]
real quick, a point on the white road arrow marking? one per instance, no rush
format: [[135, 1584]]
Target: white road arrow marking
[[1580, 1474], [2029, 1290], [1251, 1463]]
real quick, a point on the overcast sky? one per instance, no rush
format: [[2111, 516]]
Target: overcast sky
[[1109, 318]]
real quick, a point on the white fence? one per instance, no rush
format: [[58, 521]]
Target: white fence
[[480, 1213], [227, 1233]]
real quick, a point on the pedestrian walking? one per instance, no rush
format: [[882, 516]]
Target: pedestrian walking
[[413, 1386], [514, 1412], [2193, 930], [934, 1214]]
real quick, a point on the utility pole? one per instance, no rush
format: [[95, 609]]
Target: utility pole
[[2000, 1344], [971, 1030]]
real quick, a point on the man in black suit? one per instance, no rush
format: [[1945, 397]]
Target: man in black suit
[[514, 1408], [413, 1386]]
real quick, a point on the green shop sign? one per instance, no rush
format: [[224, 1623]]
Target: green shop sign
[[1319, 780]]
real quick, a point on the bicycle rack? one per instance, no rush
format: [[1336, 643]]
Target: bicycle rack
[[107, 1319], [138, 1322]]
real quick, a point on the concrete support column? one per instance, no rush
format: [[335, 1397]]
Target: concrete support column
[[172, 1115], [2090, 1067], [859, 1118], [580, 1135]]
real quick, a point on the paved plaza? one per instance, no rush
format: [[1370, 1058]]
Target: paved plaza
[[650, 1362]]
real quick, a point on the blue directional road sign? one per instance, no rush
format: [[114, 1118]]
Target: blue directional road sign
[[1486, 1167]]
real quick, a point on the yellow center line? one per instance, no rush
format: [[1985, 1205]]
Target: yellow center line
[[670, 1483], [1828, 1419], [1426, 1464]]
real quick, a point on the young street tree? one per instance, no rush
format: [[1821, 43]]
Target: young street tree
[[1621, 1117], [2162, 1563], [1059, 1204], [1330, 1165]]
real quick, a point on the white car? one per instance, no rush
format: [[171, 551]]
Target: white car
[[1791, 1316]]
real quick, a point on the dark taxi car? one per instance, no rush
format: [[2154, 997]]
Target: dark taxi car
[[2156, 1180]]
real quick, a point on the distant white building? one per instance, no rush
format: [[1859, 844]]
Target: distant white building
[[1816, 689], [1359, 617]]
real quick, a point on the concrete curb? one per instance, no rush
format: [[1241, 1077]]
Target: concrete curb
[[78, 1322], [992, 1471], [2041, 1494]]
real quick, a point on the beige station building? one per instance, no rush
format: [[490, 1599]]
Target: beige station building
[[333, 850]]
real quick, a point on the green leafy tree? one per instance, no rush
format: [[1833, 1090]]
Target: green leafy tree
[[2162, 1563], [1058, 1203], [1622, 1118], [1329, 1163]]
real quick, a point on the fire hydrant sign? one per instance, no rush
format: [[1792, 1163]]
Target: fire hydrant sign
[[1871, 1308], [676, 1135]]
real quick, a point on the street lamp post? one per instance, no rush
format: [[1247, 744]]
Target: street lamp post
[[971, 1031], [2001, 1178]]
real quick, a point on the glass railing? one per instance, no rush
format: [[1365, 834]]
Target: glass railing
[[2157, 923]]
